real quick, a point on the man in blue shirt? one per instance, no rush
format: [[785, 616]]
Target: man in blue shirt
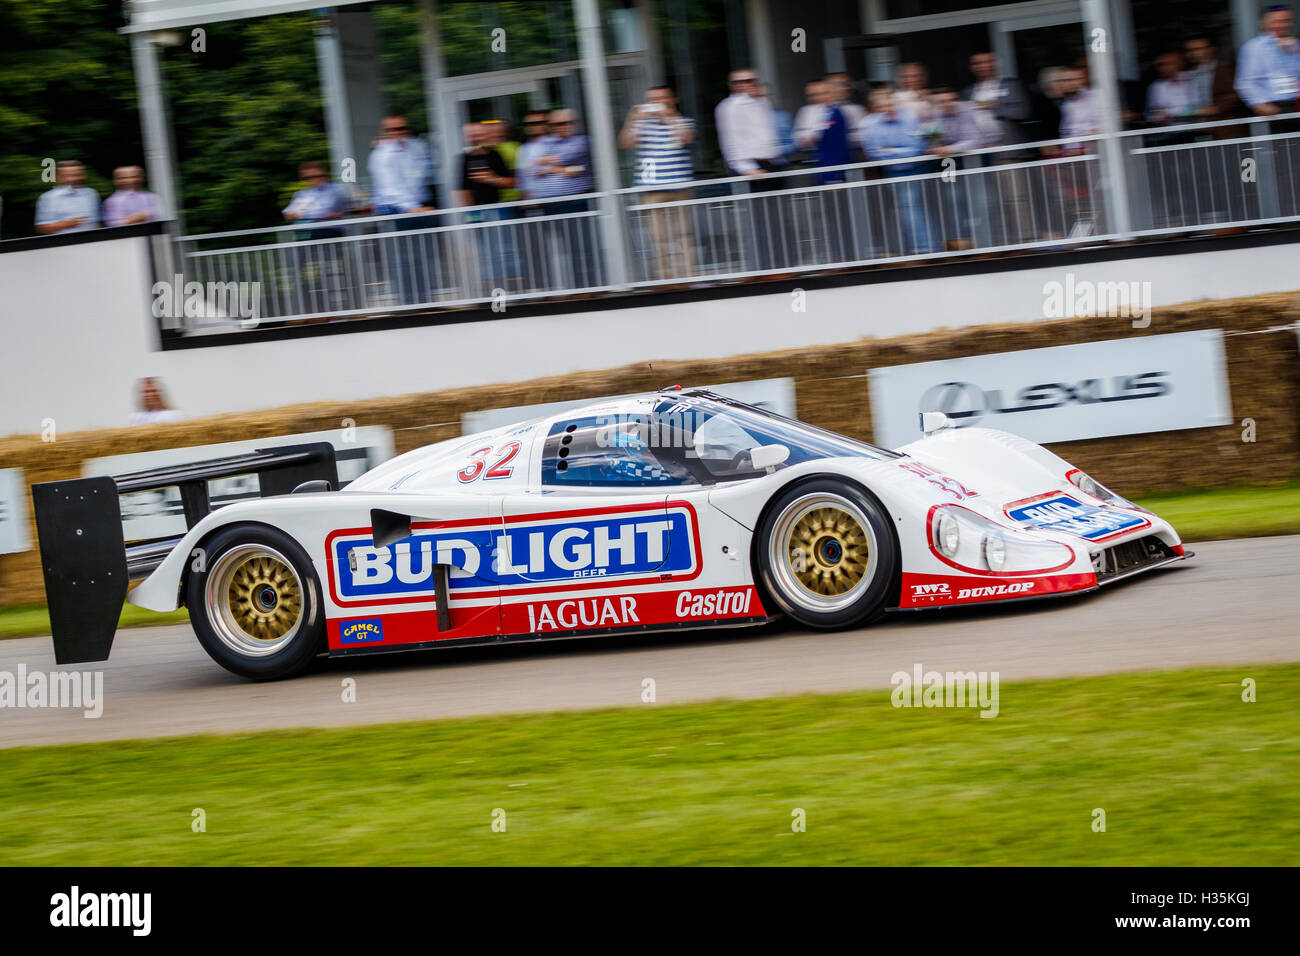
[[322, 200], [562, 167], [889, 132], [71, 206], [1268, 70], [322, 267]]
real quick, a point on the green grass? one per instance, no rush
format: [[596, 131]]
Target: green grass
[[1186, 772], [33, 619], [1240, 512]]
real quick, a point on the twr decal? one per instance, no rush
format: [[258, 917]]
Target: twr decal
[[931, 590]]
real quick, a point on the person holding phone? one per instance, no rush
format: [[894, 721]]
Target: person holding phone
[[662, 138]]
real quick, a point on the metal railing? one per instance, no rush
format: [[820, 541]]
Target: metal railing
[[1220, 175], [383, 264], [1051, 194]]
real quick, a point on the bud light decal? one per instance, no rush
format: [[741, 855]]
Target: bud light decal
[[405, 568], [595, 548], [1065, 515], [530, 552]]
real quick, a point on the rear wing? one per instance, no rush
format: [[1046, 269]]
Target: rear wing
[[86, 561]]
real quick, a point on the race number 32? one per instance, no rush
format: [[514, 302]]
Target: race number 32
[[500, 467]]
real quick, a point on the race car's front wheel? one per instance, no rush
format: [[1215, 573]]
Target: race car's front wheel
[[255, 602], [826, 553]]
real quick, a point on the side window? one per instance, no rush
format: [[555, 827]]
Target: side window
[[606, 453]]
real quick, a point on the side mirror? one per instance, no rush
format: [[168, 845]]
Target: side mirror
[[932, 422], [767, 457]]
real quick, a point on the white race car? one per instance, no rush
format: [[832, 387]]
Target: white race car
[[678, 509]]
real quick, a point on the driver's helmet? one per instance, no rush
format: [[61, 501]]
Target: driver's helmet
[[629, 437]]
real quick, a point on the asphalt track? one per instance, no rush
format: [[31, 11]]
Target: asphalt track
[[1236, 602]]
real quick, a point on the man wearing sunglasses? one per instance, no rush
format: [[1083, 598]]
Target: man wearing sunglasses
[[562, 167], [400, 172], [320, 267], [529, 151], [750, 145]]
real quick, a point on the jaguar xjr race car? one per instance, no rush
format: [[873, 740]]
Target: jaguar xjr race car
[[677, 509]]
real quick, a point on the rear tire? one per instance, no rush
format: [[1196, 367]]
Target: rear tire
[[826, 553], [256, 605]]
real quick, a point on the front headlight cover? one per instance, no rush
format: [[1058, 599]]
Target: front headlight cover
[[974, 544], [1095, 489], [947, 534], [995, 551]]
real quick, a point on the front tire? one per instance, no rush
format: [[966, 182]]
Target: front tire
[[826, 553], [256, 606]]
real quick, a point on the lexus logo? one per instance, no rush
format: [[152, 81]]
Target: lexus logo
[[958, 400], [966, 403]]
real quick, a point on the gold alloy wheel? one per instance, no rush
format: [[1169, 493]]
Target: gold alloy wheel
[[828, 551], [823, 552], [254, 600]]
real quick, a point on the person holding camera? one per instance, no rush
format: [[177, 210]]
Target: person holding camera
[[662, 138]]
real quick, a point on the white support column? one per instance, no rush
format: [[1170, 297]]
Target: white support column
[[758, 19], [600, 132], [1099, 39], [1126, 54], [1245, 24], [338, 125], [154, 127], [442, 129], [645, 10]]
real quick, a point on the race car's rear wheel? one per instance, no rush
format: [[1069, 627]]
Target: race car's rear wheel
[[826, 553], [255, 602]]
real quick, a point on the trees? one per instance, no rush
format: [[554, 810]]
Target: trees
[[68, 94]]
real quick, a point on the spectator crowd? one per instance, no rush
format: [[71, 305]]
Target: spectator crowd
[[904, 129]]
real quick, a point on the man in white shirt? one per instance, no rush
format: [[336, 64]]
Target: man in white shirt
[[999, 102], [400, 170], [998, 109], [810, 119], [913, 91], [751, 147], [1080, 110], [747, 127], [1080, 116], [71, 206], [1173, 97]]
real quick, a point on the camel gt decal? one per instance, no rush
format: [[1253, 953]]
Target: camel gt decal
[[491, 557], [1061, 513], [369, 631]]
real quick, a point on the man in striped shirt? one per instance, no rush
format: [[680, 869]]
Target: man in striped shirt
[[662, 138]]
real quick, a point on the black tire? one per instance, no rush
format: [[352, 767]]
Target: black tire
[[852, 560], [256, 605]]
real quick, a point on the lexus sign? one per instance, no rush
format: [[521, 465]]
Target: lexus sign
[[1064, 393]]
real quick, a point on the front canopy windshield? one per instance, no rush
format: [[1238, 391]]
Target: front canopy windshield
[[690, 439]]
